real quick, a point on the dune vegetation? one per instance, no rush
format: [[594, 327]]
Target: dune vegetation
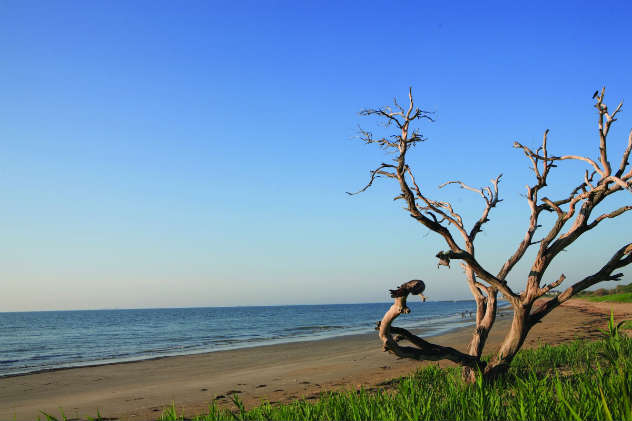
[[619, 294]]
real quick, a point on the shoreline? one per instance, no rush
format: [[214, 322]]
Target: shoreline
[[306, 341], [276, 373], [130, 360]]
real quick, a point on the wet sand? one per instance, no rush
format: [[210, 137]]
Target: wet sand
[[278, 373]]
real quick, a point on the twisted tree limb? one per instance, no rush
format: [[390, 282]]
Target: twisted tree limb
[[423, 350]]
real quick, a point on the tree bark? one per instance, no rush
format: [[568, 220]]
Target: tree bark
[[514, 339], [485, 317]]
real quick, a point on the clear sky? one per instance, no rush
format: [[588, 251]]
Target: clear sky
[[164, 153]]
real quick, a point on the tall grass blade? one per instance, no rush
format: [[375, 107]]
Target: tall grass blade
[[605, 405]]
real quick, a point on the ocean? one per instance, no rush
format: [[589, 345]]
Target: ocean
[[38, 341]]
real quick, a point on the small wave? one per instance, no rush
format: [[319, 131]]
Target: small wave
[[315, 328], [51, 356], [29, 349]]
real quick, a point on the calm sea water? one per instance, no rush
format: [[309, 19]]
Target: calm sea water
[[33, 341]]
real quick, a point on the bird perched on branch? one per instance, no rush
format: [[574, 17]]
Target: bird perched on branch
[[595, 94], [415, 287]]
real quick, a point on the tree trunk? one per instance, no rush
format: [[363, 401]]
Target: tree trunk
[[513, 341], [485, 317]]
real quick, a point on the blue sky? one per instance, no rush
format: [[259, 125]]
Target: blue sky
[[197, 154]]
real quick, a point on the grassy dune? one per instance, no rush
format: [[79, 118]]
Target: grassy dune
[[625, 297], [620, 294]]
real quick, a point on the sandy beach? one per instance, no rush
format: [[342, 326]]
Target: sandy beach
[[278, 373]]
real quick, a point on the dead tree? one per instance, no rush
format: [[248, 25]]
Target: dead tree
[[574, 218]]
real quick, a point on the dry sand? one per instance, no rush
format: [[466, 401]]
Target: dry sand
[[278, 373]]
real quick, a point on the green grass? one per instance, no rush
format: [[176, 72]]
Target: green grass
[[621, 293], [625, 297], [576, 381]]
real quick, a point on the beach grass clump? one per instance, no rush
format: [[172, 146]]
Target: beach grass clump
[[575, 381]]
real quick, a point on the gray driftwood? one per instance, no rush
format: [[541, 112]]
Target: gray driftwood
[[575, 215]]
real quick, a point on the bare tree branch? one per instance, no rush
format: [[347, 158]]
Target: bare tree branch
[[384, 143], [534, 157], [587, 181], [374, 174], [550, 286], [604, 128], [437, 207], [620, 258], [500, 284], [427, 351], [624, 158], [532, 200], [491, 200], [624, 184], [612, 214], [391, 116]]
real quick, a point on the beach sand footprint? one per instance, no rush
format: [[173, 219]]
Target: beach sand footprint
[[233, 392]]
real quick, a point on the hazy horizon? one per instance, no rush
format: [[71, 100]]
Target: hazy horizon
[[194, 307], [161, 155]]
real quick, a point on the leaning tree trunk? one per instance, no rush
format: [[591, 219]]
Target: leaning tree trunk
[[514, 339], [483, 325], [485, 317]]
